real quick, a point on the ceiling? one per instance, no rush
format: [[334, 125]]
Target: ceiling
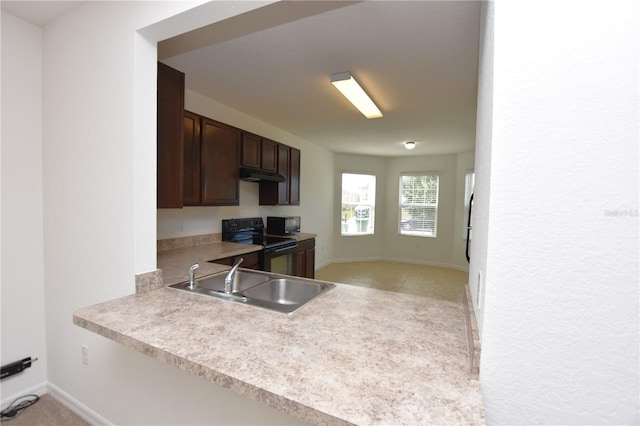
[[418, 60], [39, 13]]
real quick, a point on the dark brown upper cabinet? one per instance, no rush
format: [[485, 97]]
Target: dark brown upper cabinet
[[170, 104], [294, 177], [220, 151], [211, 153], [199, 158], [287, 192], [258, 153], [283, 169], [192, 169], [251, 150], [269, 155]]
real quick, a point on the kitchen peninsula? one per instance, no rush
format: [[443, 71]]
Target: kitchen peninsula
[[352, 356]]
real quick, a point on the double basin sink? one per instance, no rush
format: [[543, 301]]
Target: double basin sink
[[280, 293]]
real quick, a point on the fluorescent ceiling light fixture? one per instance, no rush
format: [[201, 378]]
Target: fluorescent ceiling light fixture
[[351, 90], [410, 145]]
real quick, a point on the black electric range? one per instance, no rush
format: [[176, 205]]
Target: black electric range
[[277, 254], [251, 231]]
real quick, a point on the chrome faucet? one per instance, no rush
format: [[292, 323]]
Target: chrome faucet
[[192, 275], [230, 278]]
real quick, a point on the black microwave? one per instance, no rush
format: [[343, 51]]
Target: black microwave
[[283, 225]]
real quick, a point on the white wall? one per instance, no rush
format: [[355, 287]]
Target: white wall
[[22, 259], [316, 186], [447, 249], [99, 221], [482, 188], [361, 247], [438, 250], [560, 334]]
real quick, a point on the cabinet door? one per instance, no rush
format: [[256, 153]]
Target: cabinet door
[[301, 264], [220, 158], [294, 176], [310, 263], [287, 192], [283, 169], [191, 181], [269, 157], [306, 258], [170, 108], [251, 147]]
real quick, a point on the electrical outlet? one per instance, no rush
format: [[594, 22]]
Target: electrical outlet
[[85, 354]]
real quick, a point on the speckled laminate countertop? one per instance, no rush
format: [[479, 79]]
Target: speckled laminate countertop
[[175, 263], [354, 355]]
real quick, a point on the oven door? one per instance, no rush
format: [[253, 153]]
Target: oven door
[[280, 260]]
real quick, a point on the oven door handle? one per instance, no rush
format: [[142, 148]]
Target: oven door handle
[[280, 250]]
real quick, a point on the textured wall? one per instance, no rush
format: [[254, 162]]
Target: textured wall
[[560, 324], [482, 189], [23, 325], [99, 222]]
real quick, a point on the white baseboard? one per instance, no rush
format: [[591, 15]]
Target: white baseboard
[[39, 389], [76, 406], [428, 263], [390, 259], [358, 259]]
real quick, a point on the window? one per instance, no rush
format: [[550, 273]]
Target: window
[[358, 204], [469, 183], [419, 204]]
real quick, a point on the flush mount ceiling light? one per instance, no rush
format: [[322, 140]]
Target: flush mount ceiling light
[[350, 88], [410, 145]]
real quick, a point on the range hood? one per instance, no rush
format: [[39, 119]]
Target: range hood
[[254, 175]]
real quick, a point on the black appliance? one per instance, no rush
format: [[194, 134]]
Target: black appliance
[[469, 228], [283, 225], [278, 253]]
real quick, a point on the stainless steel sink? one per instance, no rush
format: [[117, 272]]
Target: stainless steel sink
[[280, 293], [285, 291], [244, 281]]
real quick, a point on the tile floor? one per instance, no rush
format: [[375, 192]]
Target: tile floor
[[430, 281]]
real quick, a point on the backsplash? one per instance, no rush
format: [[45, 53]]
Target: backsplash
[[149, 281], [190, 241]]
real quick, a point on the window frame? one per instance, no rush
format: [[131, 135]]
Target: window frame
[[435, 205], [370, 203]]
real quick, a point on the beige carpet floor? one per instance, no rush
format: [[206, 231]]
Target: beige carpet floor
[[46, 412]]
